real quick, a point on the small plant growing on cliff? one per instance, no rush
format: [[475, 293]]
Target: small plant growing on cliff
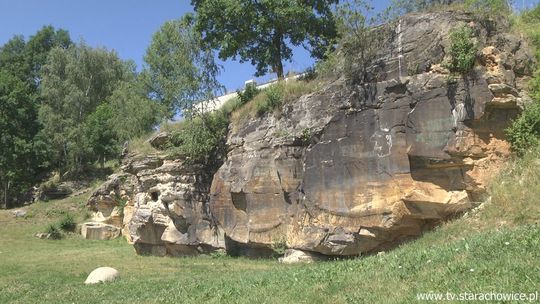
[[248, 94], [305, 137], [273, 99], [120, 204], [279, 245], [462, 50]]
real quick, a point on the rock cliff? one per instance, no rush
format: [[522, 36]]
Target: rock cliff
[[352, 168], [161, 204]]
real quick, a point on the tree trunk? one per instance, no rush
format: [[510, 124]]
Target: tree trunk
[[279, 69], [278, 65], [6, 188], [102, 161]]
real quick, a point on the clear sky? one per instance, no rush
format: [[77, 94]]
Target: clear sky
[[123, 25]]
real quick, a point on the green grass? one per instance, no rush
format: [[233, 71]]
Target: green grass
[[499, 246]]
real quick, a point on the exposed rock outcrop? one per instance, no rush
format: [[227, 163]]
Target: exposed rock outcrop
[[161, 205], [365, 168], [353, 168]]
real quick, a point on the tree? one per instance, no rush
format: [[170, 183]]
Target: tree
[[99, 135], [39, 46], [359, 40], [23, 153], [17, 125], [75, 82], [134, 114], [262, 31], [180, 70]]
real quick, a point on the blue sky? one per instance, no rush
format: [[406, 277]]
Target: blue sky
[[123, 25]]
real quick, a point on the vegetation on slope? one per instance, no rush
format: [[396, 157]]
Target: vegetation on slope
[[524, 132], [491, 250]]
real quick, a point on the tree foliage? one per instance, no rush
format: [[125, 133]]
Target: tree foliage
[[180, 70], [100, 140], [23, 152], [357, 44], [134, 113], [75, 82], [262, 31]]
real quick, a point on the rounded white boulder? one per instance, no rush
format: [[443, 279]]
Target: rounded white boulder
[[102, 274]]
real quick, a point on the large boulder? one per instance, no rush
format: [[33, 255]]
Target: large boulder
[[160, 140], [364, 166]]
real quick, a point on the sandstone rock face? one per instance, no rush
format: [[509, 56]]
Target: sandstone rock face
[[364, 166], [161, 206], [102, 275], [356, 167]]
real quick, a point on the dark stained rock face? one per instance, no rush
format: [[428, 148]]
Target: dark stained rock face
[[362, 167]]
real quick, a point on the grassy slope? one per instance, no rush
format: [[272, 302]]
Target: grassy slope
[[500, 244]]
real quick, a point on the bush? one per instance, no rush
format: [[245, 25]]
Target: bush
[[202, 137], [248, 94], [54, 232], [67, 223], [279, 245], [273, 99], [462, 50], [524, 132]]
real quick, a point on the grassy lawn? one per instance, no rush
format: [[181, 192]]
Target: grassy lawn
[[453, 258]]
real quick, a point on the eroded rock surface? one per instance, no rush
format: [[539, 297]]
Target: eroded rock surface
[[161, 206], [351, 170], [355, 167]]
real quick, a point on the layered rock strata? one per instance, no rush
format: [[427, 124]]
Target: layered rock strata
[[161, 205], [355, 167]]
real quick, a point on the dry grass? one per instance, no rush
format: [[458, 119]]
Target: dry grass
[[288, 91], [140, 145]]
